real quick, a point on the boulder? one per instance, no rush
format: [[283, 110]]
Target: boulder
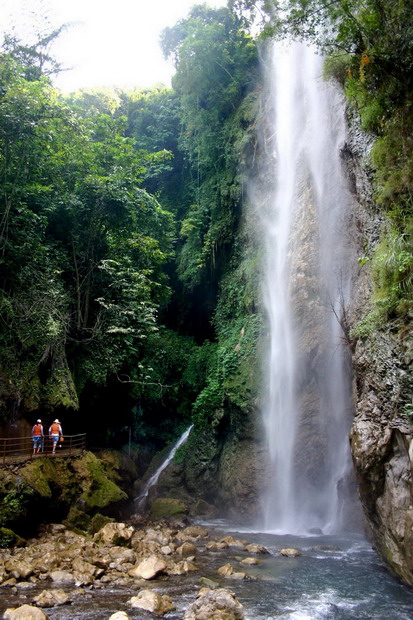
[[19, 569], [250, 561], [225, 570], [148, 568], [230, 541], [25, 612], [63, 576], [290, 552], [52, 598], [254, 548], [217, 604], [152, 601], [186, 548], [114, 534], [181, 568], [119, 615], [192, 532]]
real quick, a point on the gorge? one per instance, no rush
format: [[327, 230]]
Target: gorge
[[228, 262]]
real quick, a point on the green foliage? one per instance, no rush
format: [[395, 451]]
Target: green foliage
[[393, 272], [83, 245], [215, 59], [15, 504]]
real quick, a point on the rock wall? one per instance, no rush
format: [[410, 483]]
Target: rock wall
[[381, 437]]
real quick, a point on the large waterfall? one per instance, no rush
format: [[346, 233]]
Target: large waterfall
[[303, 221]]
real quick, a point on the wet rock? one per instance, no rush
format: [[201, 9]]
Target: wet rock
[[63, 576], [213, 545], [8, 583], [254, 548], [186, 548], [25, 612], [225, 570], [181, 568], [148, 568], [152, 601], [52, 598], [217, 604], [290, 552], [233, 542], [24, 585], [114, 534], [18, 568], [192, 532], [209, 583], [250, 561]]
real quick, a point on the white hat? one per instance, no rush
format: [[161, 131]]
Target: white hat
[[39, 421], [56, 422]]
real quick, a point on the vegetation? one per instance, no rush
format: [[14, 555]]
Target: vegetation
[[127, 277], [119, 215]]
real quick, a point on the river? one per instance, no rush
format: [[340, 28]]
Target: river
[[335, 577]]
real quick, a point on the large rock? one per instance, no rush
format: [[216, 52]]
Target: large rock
[[52, 598], [114, 534], [63, 576], [152, 601], [215, 604], [25, 612], [148, 568]]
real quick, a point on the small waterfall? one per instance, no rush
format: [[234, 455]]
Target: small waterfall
[[141, 499], [307, 401]]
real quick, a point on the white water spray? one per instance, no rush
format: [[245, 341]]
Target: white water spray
[[141, 499], [307, 404]]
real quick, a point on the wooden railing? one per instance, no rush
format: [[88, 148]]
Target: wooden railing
[[16, 449]]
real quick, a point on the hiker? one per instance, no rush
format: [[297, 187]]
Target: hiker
[[55, 432], [37, 436]]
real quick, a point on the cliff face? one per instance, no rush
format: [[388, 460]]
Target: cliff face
[[381, 437]]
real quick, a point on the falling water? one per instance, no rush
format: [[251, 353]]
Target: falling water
[[141, 499], [307, 405]]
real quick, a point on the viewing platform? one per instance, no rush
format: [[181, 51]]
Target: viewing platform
[[19, 449]]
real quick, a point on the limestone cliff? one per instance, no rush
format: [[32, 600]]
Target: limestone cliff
[[381, 435]]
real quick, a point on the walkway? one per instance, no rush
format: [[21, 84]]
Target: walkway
[[20, 449]]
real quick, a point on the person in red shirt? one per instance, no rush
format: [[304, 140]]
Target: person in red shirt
[[37, 436], [55, 431]]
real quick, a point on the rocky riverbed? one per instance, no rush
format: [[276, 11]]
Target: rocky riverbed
[[185, 571], [66, 573]]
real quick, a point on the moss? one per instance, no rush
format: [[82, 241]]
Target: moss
[[8, 538], [60, 390], [165, 507], [37, 474], [97, 490], [97, 522], [77, 520]]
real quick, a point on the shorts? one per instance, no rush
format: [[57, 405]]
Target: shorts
[[37, 439], [54, 438]]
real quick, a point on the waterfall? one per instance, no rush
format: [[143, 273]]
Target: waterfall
[[141, 499], [306, 286]]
